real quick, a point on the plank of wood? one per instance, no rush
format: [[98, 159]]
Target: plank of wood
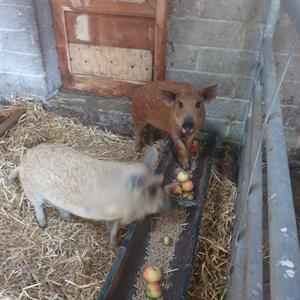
[[11, 120], [117, 63], [160, 39], [111, 30], [145, 8], [102, 86], [61, 41]]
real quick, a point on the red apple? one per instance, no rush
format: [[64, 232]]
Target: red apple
[[151, 274], [187, 186], [154, 290], [176, 189], [185, 195], [190, 196], [182, 176], [194, 149]]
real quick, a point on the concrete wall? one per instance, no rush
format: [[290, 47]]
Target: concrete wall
[[285, 35], [209, 41], [28, 62], [216, 41]]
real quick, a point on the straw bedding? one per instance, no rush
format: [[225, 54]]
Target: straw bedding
[[212, 254], [71, 260], [66, 261]]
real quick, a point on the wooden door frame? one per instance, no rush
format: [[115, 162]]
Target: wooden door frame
[[157, 9]]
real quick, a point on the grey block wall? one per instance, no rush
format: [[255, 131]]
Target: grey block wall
[[217, 41], [28, 61], [290, 93], [209, 41]]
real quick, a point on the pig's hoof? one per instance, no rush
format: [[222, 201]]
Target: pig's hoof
[[43, 225], [113, 248], [185, 165], [138, 149]]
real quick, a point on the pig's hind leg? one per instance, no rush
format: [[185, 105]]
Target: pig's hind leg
[[65, 214], [38, 203], [112, 227], [151, 131], [139, 130]]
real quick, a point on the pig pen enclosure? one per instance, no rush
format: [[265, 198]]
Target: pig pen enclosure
[[238, 238], [72, 260]]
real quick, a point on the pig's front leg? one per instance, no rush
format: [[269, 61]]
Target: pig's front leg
[[139, 128], [112, 227], [188, 142], [181, 151], [150, 134]]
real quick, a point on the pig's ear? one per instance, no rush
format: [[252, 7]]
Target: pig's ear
[[150, 158], [209, 93], [169, 97], [150, 182]]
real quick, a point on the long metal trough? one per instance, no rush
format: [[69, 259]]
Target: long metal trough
[[132, 252]]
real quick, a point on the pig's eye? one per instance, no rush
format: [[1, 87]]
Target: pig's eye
[[197, 105], [152, 191], [180, 104]]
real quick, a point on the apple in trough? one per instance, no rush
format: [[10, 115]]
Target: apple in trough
[[176, 189], [194, 148], [182, 176], [154, 290], [167, 240], [151, 274], [187, 186]]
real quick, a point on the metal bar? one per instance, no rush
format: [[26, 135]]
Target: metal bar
[[283, 239], [253, 258], [235, 277], [247, 256], [246, 238], [284, 244]]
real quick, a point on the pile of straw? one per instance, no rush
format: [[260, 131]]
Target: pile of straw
[[66, 261], [212, 255], [71, 260]]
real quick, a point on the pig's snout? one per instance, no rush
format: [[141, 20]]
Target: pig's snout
[[166, 205], [188, 126]]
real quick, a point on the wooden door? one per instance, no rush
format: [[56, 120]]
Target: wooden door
[[107, 47]]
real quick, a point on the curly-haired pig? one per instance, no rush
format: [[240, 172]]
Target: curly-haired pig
[[116, 192], [175, 108]]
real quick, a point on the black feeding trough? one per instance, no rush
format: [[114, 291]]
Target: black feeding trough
[[120, 283]]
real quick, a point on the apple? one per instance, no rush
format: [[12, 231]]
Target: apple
[[190, 196], [176, 189], [167, 240], [193, 150], [154, 290], [152, 274], [182, 176], [185, 195], [187, 186]]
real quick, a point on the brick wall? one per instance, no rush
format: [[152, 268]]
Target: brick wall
[[28, 63]]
